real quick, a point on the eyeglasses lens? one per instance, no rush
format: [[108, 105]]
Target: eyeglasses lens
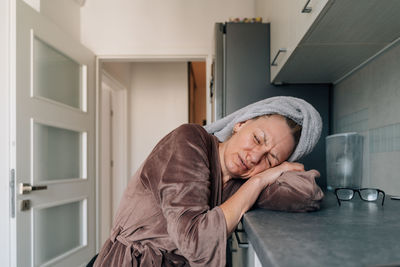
[[369, 194], [345, 194]]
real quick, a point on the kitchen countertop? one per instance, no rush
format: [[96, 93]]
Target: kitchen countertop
[[357, 233]]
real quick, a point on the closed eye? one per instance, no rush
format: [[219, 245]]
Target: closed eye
[[275, 158], [256, 139], [269, 162]]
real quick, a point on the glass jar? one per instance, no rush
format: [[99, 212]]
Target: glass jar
[[344, 154]]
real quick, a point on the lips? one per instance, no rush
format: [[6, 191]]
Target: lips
[[243, 163]]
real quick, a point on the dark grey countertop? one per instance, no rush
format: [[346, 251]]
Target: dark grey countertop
[[357, 233]]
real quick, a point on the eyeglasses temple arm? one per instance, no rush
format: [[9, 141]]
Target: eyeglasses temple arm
[[338, 200], [383, 193]]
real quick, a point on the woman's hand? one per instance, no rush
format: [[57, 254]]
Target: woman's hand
[[269, 176]]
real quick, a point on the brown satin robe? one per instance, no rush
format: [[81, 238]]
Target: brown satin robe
[[169, 214]]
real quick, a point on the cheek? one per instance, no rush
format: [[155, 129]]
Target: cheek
[[229, 161], [229, 164]]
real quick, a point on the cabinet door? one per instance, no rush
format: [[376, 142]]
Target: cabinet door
[[289, 24], [279, 17], [252, 258], [301, 20]]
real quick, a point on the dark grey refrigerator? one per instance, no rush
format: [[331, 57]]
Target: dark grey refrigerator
[[242, 76]]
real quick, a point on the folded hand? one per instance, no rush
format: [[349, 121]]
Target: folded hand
[[269, 176]]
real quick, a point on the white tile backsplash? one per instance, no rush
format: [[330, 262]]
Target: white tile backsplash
[[355, 122], [385, 139], [368, 102]]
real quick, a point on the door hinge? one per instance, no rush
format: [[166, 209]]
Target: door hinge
[[112, 163], [12, 193], [111, 113]]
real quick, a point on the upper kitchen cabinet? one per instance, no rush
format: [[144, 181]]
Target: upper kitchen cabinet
[[290, 21], [321, 41]]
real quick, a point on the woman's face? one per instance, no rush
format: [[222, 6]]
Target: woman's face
[[257, 145]]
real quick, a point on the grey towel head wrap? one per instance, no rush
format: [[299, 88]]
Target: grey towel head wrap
[[294, 108]]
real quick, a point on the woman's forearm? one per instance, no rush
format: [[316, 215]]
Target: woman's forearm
[[240, 202], [245, 197]]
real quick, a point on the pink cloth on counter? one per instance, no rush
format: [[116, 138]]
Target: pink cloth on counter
[[169, 214]]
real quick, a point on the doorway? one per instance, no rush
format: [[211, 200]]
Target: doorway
[[157, 100], [114, 166], [197, 92]]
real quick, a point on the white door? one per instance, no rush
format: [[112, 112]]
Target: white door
[[113, 158], [105, 200], [54, 145]]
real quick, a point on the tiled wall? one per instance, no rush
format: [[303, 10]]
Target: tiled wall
[[368, 102]]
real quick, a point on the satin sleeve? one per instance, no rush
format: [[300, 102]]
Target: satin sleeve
[[292, 191], [198, 231]]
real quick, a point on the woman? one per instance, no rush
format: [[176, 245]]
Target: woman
[[192, 190]]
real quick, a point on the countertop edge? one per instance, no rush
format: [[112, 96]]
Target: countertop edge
[[264, 255]]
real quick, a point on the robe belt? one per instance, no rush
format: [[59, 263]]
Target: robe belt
[[137, 250]]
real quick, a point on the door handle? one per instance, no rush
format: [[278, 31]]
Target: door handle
[[276, 56], [27, 188]]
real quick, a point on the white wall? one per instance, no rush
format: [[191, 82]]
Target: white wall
[[177, 27], [263, 9], [157, 103], [134, 27]]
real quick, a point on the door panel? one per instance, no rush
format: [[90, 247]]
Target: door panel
[[49, 242], [55, 144], [56, 76], [58, 153]]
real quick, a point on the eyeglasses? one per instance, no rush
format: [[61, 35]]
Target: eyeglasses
[[366, 194]]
